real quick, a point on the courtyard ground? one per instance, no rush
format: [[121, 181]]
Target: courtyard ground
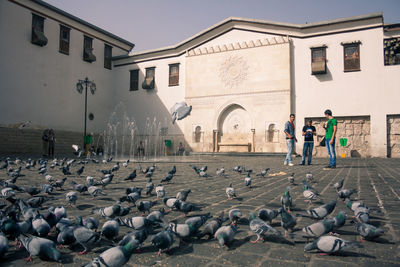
[[377, 182]]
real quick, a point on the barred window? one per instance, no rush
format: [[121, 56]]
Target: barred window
[[318, 60], [64, 39], [107, 56], [134, 80], [37, 35]]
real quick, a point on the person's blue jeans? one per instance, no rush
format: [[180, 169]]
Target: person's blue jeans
[[307, 148], [290, 145], [331, 151]]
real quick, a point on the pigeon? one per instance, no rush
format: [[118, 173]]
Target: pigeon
[[170, 203], [160, 191], [26, 211], [110, 211], [291, 178], [340, 219], [234, 216], [125, 164], [203, 174], [225, 234], [7, 192], [173, 170], [354, 205], [136, 223], [86, 238], [3, 245], [361, 214], [36, 202], [80, 171], [145, 205], [89, 180], [71, 197], [115, 168], [330, 244], [184, 207], [267, 214], [212, 226], [131, 198], [167, 178], [247, 181], [149, 187], [368, 231], [230, 192], [288, 222], [40, 226], [310, 195], [66, 236], [346, 193], [110, 229], [94, 191], [220, 172], [163, 240], [33, 191], [263, 172], [79, 187], [286, 199], [338, 185], [131, 176], [63, 223], [115, 256], [182, 230], [59, 183], [149, 174], [260, 228], [180, 111], [47, 188], [138, 235], [77, 150], [309, 177], [197, 221], [156, 216], [105, 181], [133, 189], [321, 212], [65, 171], [91, 223], [182, 195], [319, 228], [41, 247]]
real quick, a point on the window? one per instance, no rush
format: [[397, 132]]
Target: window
[[318, 60], [107, 56], [351, 56], [88, 49], [392, 51], [174, 74], [148, 82], [134, 80], [37, 36], [197, 134], [64, 39]]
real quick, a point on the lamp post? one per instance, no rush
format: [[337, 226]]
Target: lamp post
[[79, 88]]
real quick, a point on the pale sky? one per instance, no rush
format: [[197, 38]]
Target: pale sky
[[153, 24]]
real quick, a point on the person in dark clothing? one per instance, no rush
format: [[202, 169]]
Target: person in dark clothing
[[45, 142], [52, 142], [308, 133]]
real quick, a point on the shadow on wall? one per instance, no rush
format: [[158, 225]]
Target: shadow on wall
[[324, 77]]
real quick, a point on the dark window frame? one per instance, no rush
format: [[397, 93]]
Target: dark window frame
[[173, 79], [388, 59], [88, 40], [38, 25], [64, 42], [347, 62], [107, 57], [134, 80], [313, 60]]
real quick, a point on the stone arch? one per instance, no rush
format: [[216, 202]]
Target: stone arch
[[229, 104]]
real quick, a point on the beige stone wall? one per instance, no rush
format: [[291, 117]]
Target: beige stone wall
[[393, 127], [236, 89], [355, 129]]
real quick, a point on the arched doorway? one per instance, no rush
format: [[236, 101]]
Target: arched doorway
[[234, 130]]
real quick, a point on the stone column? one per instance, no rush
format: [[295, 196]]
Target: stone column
[[253, 137], [215, 134]]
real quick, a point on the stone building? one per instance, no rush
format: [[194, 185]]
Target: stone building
[[242, 77]]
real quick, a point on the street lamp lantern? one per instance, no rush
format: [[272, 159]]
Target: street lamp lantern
[[79, 88]]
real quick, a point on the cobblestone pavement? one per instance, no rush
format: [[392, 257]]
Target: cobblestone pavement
[[377, 182]]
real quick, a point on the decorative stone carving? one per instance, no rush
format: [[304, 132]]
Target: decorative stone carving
[[233, 71]]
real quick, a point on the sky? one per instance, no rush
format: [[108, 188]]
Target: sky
[[153, 24]]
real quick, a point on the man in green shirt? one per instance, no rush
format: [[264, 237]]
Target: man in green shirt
[[330, 137]]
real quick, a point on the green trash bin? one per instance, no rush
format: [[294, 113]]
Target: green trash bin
[[168, 145], [343, 143], [88, 141]]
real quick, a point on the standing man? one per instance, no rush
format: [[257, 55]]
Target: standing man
[[290, 139], [308, 133], [330, 137]]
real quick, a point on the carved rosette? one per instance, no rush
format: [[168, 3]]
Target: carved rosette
[[233, 71]]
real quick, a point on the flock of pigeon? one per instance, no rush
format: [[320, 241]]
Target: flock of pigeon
[[25, 223]]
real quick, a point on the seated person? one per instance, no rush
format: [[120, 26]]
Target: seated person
[[181, 149]]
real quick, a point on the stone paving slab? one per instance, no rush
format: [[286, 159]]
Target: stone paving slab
[[377, 182]]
